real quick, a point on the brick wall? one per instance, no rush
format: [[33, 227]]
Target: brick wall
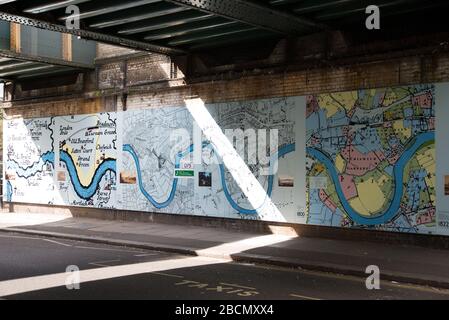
[[58, 107], [377, 74], [108, 51], [166, 90]]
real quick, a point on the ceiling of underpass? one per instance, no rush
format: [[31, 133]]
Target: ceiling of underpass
[[181, 26], [22, 69]]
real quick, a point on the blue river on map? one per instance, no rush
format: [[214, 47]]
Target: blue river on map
[[86, 192], [398, 173], [160, 205]]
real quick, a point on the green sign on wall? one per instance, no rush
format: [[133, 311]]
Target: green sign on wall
[[184, 173]]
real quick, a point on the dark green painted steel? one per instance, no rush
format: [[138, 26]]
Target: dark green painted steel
[[176, 26], [211, 24], [179, 20]]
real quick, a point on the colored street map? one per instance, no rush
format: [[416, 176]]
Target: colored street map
[[371, 159]]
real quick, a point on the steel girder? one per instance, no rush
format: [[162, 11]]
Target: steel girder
[[90, 35], [254, 14]]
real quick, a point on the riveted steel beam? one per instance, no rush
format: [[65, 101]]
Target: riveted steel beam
[[53, 6], [91, 35], [17, 65], [31, 69], [5, 60], [317, 5], [44, 72], [254, 14], [209, 35], [165, 22], [6, 1], [246, 37], [186, 29], [159, 11], [283, 2], [338, 14], [110, 9], [57, 62]]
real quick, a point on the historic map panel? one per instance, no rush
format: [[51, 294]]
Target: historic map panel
[[361, 159], [158, 172], [62, 160], [29, 160], [155, 142], [264, 132], [86, 172], [371, 159]]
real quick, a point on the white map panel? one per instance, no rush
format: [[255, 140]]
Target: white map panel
[[158, 141], [29, 161], [224, 197], [61, 160], [86, 163], [148, 161]]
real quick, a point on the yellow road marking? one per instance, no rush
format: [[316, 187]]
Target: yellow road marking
[[237, 286], [304, 297], [168, 275], [103, 263]]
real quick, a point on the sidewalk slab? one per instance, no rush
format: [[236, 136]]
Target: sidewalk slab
[[401, 263]]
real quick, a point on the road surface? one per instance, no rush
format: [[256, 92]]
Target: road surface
[[112, 272]]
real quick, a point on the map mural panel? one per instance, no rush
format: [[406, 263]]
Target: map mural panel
[[362, 159], [159, 142], [371, 159], [149, 159], [62, 160], [86, 172], [254, 120], [29, 160]]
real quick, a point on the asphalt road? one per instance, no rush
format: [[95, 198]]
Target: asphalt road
[[112, 272]]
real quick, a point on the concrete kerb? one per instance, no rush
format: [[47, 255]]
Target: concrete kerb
[[101, 240], [387, 275]]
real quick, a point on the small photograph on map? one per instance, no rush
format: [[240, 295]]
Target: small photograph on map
[[49, 167], [205, 179], [10, 176], [446, 185], [286, 181], [128, 178], [62, 176]]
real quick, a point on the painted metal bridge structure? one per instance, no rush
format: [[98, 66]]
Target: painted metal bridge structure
[[183, 27]]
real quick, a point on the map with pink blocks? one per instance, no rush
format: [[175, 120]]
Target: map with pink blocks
[[376, 150]]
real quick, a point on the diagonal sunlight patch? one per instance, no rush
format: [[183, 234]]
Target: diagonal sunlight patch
[[210, 256], [248, 183], [19, 286], [225, 251]]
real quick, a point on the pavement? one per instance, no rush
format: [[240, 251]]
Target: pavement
[[399, 263]]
